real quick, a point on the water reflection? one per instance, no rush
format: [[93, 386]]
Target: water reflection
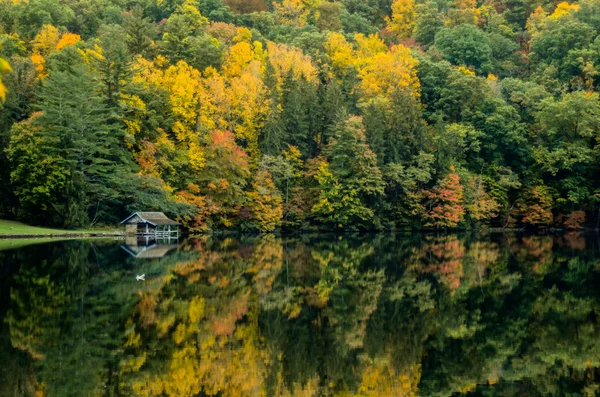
[[375, 315], [146, 248]]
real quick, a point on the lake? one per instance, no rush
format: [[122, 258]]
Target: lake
[[316, 315]]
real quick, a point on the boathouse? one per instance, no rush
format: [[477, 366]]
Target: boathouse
[[154, 224]]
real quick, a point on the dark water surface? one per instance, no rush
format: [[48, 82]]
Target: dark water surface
[[323, 315]]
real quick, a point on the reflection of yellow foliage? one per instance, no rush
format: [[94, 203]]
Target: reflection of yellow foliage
[[379, 378], [267, 259], [196, 309]]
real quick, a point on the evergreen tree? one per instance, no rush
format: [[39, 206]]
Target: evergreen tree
[[295, 114], [350, 181], [273, 133], [73, 124]]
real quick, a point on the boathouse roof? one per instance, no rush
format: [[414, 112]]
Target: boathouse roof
[[153, 218]]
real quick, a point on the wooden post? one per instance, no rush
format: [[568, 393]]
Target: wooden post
[[147, 229]]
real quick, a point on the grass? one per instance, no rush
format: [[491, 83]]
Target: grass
[[12, 228]]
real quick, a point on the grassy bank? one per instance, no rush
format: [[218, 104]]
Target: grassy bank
[[18, 229]]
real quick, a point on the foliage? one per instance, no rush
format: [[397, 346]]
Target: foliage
[[265, 202], [445, 202], [507, 93]]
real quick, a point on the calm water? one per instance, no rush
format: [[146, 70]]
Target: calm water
[[375, 315]]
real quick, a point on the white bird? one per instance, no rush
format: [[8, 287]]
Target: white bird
[[141, 277]]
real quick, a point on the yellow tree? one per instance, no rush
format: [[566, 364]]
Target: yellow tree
[[402, 22], [249, 109], [340, 53], [43, 45], [67, 39], [243, 69], [4, 68], [285, 59], [387, 72], [292, 12], [367, 47], [185, 88], [266, 202], [564, 9], [535, 22], [184, 85], [46, 42]]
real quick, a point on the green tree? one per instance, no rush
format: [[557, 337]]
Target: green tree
[[140, 31], [465, 45], [351, 180], [74, 124]]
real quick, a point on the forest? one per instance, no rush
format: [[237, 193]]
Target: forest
[[267, 115]]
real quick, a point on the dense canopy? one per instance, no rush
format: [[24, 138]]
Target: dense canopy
[[301, 114]]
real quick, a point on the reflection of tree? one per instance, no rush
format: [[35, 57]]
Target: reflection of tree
[[442, 256], [205, 333], [65, 308], [401, 315]]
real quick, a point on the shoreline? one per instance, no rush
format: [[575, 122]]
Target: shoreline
[[60, 235], [120, 235]]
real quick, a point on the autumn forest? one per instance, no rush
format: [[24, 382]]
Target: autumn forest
[[267, 115]]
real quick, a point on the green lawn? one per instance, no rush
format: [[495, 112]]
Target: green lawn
[[20, 229]]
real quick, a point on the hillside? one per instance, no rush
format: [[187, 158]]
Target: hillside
[[302, 114]]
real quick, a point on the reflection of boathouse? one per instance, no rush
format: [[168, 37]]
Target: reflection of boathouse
[[154, 224], [148, 251]]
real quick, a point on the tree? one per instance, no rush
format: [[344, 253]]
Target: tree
[[329, 16], [37, 179], [402, 22], [114, 65], [465, 45], [566, 135], [463, 12], [428, 22], [73, 125], [4, 68], [535, 207], [386, 73], [445, 202], [265, 202], [351, 180], [140, 31]]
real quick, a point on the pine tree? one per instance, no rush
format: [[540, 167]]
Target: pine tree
[[377, 129], [73, 123], [334, 109], [350, 181], [295, 114], [273, 133]]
